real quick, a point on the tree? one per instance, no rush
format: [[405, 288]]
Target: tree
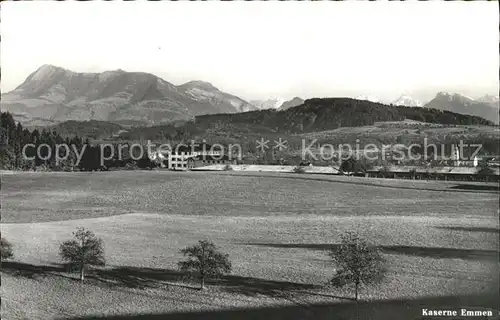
[[484, 169], [86, 249], [413, 173], [385, 171], [205, 260], [145, 162], [358, 263], [6, 249]]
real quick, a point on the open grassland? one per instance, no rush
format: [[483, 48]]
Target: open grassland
[[440, 238], [39, 197]]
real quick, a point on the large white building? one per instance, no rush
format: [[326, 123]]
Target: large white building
[[179, 160]]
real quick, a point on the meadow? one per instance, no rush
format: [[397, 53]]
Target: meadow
[[440, 239]]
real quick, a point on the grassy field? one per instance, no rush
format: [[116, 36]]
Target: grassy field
[[440, 238]]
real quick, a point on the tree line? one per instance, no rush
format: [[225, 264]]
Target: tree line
[[22, 149]]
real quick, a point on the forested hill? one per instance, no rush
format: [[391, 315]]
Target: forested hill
[[330, 113], [92, 129]]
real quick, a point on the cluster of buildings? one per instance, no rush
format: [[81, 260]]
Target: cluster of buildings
[[434, 173], [456, 167], [188, 159]]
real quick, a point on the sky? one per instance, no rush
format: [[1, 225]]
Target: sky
[[258, 50]]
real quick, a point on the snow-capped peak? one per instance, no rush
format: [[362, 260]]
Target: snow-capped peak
[[279, 102], [489, 98], [405, 100]]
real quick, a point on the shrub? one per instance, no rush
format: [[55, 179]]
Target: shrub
[[227, 167], [43, 168], [485, 171], [205, 260], [6, 249], [131, 166]]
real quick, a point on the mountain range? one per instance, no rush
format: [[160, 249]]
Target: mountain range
[[314, 115], [491, 99], [485, 107], [271, 103], [402, 100], [52, 95], [405, 100], [330, 113]]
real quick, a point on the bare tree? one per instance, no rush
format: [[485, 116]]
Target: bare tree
[[86, 249], [205, 260], [6, 249], [358, 263]]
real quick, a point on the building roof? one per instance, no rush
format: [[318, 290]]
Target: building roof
[[210, 158], [443, 170]]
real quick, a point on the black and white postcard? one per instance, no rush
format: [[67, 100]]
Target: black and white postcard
[[250, 160]]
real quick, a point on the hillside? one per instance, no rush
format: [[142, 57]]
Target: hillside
[[490, 99], [205, 92], [53, 94], [461, 104], [331, 113], [338, 120], [92, 129]]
